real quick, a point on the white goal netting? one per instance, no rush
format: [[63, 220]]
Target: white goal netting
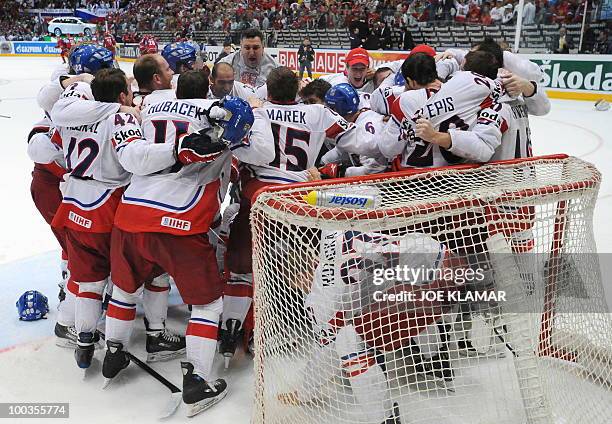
[[469, 294]]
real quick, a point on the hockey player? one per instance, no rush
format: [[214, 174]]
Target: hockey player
[[180, 174], [109, 43], [154, 77], [92, 190], [356, 326], [251, 63], [222, 83], [344, 100], [64, 44], [451, 106], [49, 169], [357, 63], [148, 45], [299, 132], [180, 56], [314, 92]]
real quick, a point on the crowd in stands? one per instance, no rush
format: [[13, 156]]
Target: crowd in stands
[[362, 17]]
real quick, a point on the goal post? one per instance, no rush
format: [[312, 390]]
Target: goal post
[[469, 293]]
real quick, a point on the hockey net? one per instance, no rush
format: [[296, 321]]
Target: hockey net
[[517, 330]]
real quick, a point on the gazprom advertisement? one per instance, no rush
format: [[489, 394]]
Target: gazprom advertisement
[[34, 48]]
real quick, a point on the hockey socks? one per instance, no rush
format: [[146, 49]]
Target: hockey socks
[[202, 337]]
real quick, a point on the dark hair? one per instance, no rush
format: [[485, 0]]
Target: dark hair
[[227, 44], [216, 67], [252, 33], [316, 88], [282, 84], [192, 85], [144, 68], [421, 68], [489, 45], [108, 84], [481, 62]]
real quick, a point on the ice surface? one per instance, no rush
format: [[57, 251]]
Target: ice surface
[[33, 369]]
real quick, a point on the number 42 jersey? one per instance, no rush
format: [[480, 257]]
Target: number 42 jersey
[[93, 185]]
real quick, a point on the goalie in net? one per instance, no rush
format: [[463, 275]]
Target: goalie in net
[[358, 320]]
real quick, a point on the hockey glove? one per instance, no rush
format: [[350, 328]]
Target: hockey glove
[[333, 170], [198, 147]]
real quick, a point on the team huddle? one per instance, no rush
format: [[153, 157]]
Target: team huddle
[[131, 175]]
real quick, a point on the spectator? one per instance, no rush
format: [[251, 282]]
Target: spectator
[[508, 14], [485, 17], [497, 13], [227, 50], [462, 11], [386, 40], [306, 55], [529, 12], [474, 14], [355, 38], [562, 43], [406, 42]]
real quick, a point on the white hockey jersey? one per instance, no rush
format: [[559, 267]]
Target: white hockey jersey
[[510, 118], [299, 131], [91, 190], [239, 90], [51, 92], [369, 125], [454, 106], [166, 196], [364, 92]]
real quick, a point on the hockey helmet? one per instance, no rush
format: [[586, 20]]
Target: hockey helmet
[[179, 54], [343, 99], [90, 58], [237, 121], [32, 306]]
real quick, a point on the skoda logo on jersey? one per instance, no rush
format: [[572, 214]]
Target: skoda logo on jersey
[[122, 135]]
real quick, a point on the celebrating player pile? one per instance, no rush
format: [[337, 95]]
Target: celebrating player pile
[[142, 189]]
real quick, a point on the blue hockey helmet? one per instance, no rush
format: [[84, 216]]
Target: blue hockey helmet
[[179, 54], [399, 79], [343, 99], [32, 305], [237, 121], [90, 58]]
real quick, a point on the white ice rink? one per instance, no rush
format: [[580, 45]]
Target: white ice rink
[[33, 369]]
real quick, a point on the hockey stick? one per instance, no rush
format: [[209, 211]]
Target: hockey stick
[[176, 395], [5, 116]]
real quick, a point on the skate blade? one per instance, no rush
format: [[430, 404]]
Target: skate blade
[[195, 408], [107, 383], [226, 360], [65, 343], [165, 356], [172, 405]]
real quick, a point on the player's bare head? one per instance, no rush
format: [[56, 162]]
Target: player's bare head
[[251, 47], [314, 92], [380, 75], [282, 85], [192, 85], [111, 86], [419, 70], [481, 62], [491, 46], [152, 72], [222, 79]]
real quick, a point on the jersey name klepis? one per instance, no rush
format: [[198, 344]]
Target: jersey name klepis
[[178, 107]]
